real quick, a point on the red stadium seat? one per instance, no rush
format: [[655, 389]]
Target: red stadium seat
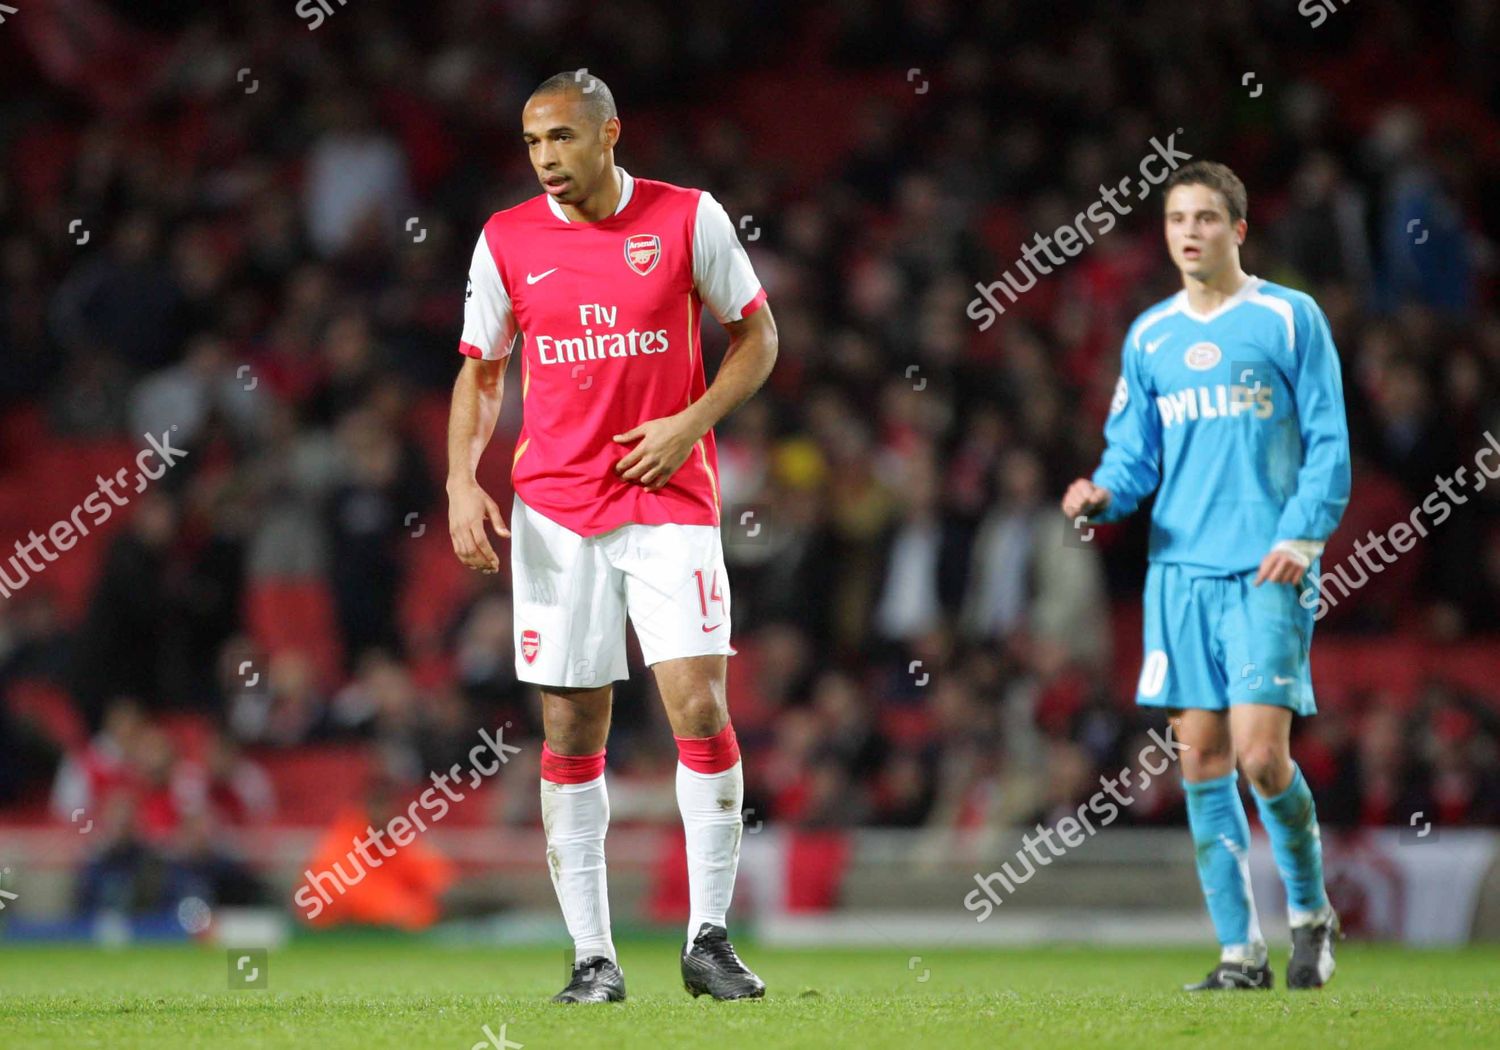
[[1344, 665], [776, 106], [813, 874], [1125, 620], [296, 614], [22, 431], [50, 481], [427, 424], [189, 733], [51, 709], [312, 783], [1474, 667], [436, 584], [909, 723], [818, 861]]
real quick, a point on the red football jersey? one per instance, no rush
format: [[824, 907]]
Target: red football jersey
[[610, 314]]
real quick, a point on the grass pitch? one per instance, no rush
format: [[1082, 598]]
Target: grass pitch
[[395, 993]]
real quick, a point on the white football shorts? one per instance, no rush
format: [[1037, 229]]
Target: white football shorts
[[572, 593]]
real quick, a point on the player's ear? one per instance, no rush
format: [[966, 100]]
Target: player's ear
[[1241, 227], [610, 132]]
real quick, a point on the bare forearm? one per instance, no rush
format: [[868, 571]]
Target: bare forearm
[[745, 369], [471, 420]]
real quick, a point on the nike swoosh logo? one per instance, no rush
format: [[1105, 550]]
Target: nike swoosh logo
[[715, 627], [1279, 680], [532, 278], [1154, 343]]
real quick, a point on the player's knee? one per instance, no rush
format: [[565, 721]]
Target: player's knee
[[576, 722], [700, 713], [1206, 763], [1208, 752], [1267, 765]]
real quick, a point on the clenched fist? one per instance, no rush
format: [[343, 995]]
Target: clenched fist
[[1085, 499]]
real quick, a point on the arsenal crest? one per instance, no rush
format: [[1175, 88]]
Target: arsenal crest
[[642, 252], [530, 643]]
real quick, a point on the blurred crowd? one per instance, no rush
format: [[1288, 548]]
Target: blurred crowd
[[160, 824], [277, 273]]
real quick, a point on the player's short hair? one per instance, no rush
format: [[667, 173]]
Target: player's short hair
[[598, 100], [1215, 176]]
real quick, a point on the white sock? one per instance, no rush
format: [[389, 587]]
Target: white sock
[[1254, 953], [576, 817], [710, 805], [1309, 918]]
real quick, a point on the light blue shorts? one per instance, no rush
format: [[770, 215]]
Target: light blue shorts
[[1213, 641]]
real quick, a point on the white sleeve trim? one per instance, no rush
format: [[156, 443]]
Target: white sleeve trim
[[722, 273], [489, 322], [1304, 551]]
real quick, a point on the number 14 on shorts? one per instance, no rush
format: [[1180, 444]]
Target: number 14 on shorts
[[709, 592]]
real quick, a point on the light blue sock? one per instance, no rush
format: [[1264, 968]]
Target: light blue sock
[[1221, 835], [1291, 822]]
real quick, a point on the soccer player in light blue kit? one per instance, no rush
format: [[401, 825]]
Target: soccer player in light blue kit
[[1230, 407]]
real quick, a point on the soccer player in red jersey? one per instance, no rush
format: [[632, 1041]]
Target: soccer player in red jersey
[[606, 278]]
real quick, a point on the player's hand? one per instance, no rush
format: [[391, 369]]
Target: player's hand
[[664, 445], [1280, 567], [1084, 499], [469, 507]]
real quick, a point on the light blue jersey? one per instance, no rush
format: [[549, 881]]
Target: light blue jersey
[[1237, 417]]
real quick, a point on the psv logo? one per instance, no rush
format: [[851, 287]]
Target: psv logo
[[642, 252], [531, 642], [1200, 357]]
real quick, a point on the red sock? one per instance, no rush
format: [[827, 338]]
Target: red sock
[[571, 769], [709, 754]]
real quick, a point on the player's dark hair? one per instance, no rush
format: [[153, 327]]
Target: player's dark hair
[[1215, 176], [598, 100]]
